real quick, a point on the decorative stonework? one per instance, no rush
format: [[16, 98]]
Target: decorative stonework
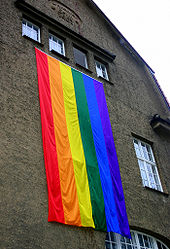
[[65, 13]]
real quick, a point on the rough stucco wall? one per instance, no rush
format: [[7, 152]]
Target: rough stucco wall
[[132, 101]]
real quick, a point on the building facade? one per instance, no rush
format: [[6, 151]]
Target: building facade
[[80, 35]]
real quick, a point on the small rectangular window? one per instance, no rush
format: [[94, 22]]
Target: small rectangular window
[[101, 70], [80, 57], [30, 30], [147, 165], [56, 44]]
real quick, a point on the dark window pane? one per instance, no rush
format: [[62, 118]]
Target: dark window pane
[[122, 239], [123, 246], [114, 246], [146, 241], [151, 243], [55, 39], [128, 241], [159, 245], [135, 141], [140, 240], [98, 65], [80, 57], [133, 238], [129, 246], [103, 68], [29, 24], [107, 244], [60, 42], [35, 28], [107, 236], [112, 235]]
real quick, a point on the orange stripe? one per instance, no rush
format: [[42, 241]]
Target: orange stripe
[[65, 162]]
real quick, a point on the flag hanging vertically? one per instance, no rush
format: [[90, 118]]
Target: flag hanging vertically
[[83, 178]]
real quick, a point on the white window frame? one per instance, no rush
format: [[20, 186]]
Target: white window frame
[[147, 165], [85, 57], [56, 44], [101, 70], [31, 30], [121, 242]]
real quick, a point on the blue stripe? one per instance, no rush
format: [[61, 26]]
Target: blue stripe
[[102, 159]]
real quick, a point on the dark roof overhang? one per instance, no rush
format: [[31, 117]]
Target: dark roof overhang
[[160, 125]]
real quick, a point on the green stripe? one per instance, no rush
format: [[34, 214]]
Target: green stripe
[[96, 192]]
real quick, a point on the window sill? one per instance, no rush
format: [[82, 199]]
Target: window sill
[[105, 80], [156, 191], [59, 55], [30, 39], [84, 68]]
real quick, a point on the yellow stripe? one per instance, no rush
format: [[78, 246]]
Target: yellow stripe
[[76, 146]]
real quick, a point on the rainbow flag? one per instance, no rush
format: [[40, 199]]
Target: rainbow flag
[[83, 178]]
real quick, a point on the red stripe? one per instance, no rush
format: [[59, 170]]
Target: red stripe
[[56, 212]]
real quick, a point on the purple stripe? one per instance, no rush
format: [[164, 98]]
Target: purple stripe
[[113, 161]]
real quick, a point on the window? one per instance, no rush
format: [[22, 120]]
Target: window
[[30, 30], [138, 241], [80, 57], [56, 44], [101, 70], [147, 165]]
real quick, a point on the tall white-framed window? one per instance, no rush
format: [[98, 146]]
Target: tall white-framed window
[[31, 30], [101, 70], [147, 165], [80, 57], [56, 44], [139, 241]]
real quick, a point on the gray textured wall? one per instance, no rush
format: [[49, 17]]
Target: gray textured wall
[[132, 100]]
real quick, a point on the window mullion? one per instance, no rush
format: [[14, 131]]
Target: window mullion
[[154, 177], [155, 244], [137, 240], [110, 241], [118, 241], [158, 179], [150, 162], [152, 156], [147, 174], [39, 35], [141, 150]]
